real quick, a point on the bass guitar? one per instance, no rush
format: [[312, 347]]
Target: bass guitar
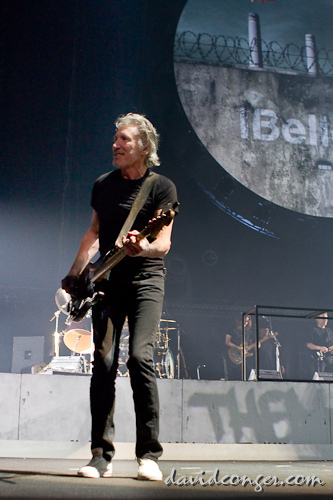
[[86, 296], [236, 356]]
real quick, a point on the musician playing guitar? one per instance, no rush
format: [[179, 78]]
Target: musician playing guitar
[[233, 339], [321, 342], [134, 289]]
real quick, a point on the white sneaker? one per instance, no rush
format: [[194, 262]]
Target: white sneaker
[[97, 467], [149, 470]]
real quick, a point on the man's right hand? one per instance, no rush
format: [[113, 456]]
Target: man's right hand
[[69, 284]]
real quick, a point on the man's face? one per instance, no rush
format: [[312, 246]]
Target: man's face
[[322, 320], [263, 332], [127, 148]]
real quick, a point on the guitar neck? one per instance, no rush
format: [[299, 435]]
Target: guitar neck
[[116, 256], [108, 264], [267, 337], [118, 253]]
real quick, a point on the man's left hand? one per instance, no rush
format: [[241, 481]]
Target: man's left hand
[[133, 245]]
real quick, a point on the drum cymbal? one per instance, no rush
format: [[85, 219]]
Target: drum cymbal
[[168, 320], [61, 299], [78, 340]]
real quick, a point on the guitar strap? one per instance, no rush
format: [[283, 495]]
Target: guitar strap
[[138, 203]]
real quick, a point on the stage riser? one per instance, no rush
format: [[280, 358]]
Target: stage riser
[[56, 408]]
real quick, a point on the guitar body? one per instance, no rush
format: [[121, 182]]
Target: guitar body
[[85, 296], [79, 308], [236, 356]]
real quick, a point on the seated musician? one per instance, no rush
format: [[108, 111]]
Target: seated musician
[[233, 340], [321, 343]]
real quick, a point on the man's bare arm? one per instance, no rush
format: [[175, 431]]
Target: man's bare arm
[[88, 247], [159, 247]]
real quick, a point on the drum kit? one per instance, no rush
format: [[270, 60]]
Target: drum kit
[[163, 356], [80, 342]]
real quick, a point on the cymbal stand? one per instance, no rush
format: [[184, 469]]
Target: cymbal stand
[[56, 333], [76, 344]]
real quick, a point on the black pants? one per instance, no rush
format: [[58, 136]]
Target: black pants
[[141, 301]]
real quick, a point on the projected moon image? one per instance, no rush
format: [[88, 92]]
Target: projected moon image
[[266, 121]]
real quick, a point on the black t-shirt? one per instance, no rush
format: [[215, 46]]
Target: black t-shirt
[[237, 336], [112, 198], [322, 336]]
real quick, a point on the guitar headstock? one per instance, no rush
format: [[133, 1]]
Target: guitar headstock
[[155, 225]]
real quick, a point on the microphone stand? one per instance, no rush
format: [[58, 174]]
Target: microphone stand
[[277, 351], [56, 334], [277, 346]]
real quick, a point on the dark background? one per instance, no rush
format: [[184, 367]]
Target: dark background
[[68, 69]]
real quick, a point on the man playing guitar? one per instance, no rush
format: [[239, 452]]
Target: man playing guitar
[[233, 340], [321, 341], [134, 290]]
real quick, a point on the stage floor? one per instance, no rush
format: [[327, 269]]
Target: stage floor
[[57, 479]]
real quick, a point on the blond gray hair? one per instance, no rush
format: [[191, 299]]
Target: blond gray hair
[[147, 133]]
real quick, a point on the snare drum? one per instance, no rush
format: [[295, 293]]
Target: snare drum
[[164, 363]]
